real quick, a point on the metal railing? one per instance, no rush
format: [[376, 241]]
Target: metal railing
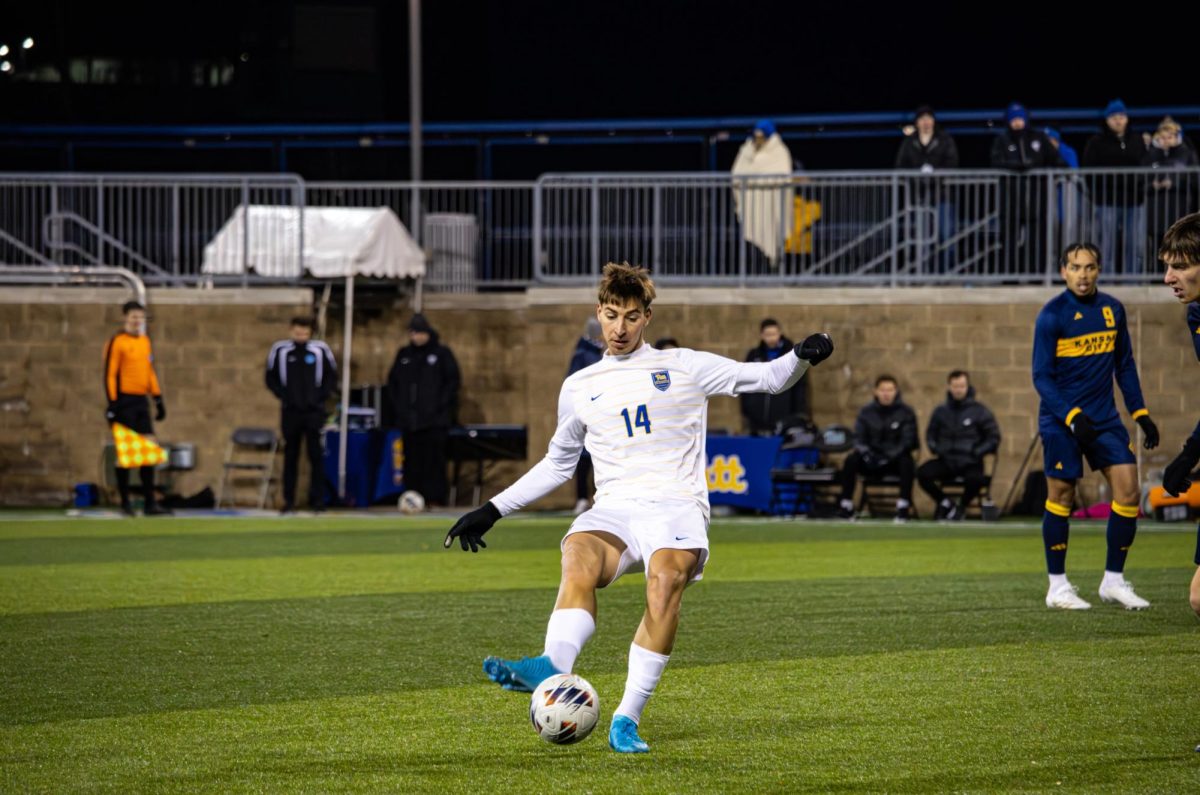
[[885, 227]]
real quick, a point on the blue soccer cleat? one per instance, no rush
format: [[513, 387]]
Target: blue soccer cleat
[[623, 737], [522, 675]]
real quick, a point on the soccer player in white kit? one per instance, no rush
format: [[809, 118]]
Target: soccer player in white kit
[[642, 414]]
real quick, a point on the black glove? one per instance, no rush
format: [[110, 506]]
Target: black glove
[[1177, 476], [160, 409], [1083, 429], [815, 349], [470, 527], [1150, 430], [110, 413]]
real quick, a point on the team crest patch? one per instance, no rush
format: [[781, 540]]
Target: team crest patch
[[661, 380]]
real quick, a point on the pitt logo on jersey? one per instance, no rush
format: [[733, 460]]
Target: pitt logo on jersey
[[661, 380]]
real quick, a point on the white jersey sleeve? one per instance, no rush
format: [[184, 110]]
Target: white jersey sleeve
[[718, 375], [556, 467]]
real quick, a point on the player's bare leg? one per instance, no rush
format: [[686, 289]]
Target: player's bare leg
[[667, 575], [589, 561], [1122, 527]]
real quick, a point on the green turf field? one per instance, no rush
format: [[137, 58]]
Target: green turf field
[[343, 655]]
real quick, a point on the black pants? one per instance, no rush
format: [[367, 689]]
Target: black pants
[[425, 463], [306, 426], [933, 473], [903, 467]]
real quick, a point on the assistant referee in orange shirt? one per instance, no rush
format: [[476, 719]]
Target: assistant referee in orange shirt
[[129, 380]]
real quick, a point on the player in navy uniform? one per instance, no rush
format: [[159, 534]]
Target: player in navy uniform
[[1080, 343], [1180, 252]]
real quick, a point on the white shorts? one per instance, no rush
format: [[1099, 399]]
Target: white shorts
[[647, 526]]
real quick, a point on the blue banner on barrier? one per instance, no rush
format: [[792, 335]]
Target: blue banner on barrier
[[739, 470]]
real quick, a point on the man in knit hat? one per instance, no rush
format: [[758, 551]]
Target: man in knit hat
[[423, 385], [1120, 216], [1021, 148]]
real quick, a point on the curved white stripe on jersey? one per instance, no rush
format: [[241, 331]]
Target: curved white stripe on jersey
[[630, 461]]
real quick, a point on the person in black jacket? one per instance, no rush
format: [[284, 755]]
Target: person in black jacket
[[1174, 188], [960, 433], [302, 373], [1119, 198], [885, 438], [1023, 209], [765, 413], [423, 385], [928, 148]]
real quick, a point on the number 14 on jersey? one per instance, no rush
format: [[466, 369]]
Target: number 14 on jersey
[[640, 419]]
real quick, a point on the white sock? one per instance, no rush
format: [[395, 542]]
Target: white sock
[[1112, 578], [847, 505], [645, 669], [947, 502], [1057, 581], [566, 632], [901, 504]]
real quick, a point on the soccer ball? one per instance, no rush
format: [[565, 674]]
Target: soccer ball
[[411, 502], [564, 709]]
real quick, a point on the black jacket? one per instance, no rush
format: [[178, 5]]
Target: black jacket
[[762, 410], [962, 431], [423, 385], [1168, 165], [940, 153], [1106, 149], [888, 432], [1023, 150], [301, 374]]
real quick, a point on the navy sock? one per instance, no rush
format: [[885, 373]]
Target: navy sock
[[1122, 526], [1056, 527]]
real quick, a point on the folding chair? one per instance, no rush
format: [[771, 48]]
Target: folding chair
[[251, 451]]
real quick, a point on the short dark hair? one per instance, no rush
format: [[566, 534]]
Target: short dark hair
[[666, 341], [957, 374], [1182, 240], [885, 378], [770, 321], [1079, 246], [302, 321], [622, 282], [130, 306]]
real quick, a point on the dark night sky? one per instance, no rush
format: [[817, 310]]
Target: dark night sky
[[564, 59], [329, 61]]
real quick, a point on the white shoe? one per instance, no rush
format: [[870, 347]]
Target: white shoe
[[1122, 593], [582, 505], [1066, 597]]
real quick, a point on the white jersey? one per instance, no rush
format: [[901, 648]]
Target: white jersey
[[643, 417]]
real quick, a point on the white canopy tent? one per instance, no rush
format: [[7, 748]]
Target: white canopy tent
[[337, 242]]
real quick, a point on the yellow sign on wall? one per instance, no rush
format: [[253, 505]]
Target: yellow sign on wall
[[727, 475]]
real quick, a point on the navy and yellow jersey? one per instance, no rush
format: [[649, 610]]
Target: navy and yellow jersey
[[1079, 345], [1193, 319]]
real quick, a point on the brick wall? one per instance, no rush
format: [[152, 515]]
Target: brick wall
[[514, 349]]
